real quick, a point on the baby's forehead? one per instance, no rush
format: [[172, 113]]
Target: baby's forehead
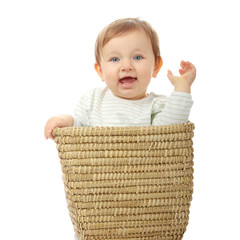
[[137, 31], [137, 39]]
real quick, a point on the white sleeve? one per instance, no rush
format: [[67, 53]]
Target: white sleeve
[[174, 110]]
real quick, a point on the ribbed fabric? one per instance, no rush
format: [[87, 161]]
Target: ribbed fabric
[[100, 107]]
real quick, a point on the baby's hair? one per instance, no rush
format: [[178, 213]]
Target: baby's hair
[[124, 26]]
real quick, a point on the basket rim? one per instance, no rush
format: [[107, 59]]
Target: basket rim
[[123, 130]]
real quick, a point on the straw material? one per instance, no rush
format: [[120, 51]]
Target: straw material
[[128, 182]]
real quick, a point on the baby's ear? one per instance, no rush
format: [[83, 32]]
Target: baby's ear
[[158, 65], [99, 71]]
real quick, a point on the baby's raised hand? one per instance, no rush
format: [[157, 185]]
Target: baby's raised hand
[[188, 74]]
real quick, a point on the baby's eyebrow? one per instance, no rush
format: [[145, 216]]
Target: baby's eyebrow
[[112, 53], [138, 50]]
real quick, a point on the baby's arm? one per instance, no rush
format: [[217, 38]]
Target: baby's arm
[[57, 121], [172, 110], [183, 83], [178, 106], [80, 119]]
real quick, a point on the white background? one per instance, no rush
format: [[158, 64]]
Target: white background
[[46, 63]]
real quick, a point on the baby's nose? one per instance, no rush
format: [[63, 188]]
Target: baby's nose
[[126, 65]]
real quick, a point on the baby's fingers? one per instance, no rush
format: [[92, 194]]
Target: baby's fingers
[[186, 67], [48, 129], [181, 71], [48, 133], [191, 68]]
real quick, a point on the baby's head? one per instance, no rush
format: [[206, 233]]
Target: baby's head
[[127, 57], [121, 27]]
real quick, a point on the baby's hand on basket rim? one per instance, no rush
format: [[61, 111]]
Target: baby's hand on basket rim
[[57, 121]]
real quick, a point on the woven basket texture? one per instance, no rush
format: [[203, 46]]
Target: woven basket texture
[[128, 182]]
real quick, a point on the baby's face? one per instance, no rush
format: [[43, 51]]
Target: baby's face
[[127, 65]]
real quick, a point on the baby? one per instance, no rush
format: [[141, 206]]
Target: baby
[[127, 57]]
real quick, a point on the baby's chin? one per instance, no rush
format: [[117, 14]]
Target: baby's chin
[[130, 95]]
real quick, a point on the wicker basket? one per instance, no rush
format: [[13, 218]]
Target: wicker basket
[[128, 182]]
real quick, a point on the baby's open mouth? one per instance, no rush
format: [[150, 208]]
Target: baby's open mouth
[[127, 82]]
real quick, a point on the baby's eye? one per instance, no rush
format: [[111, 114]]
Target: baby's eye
[[138, 58], [114, 59]]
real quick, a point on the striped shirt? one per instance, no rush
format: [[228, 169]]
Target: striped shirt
[[100, 107]]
